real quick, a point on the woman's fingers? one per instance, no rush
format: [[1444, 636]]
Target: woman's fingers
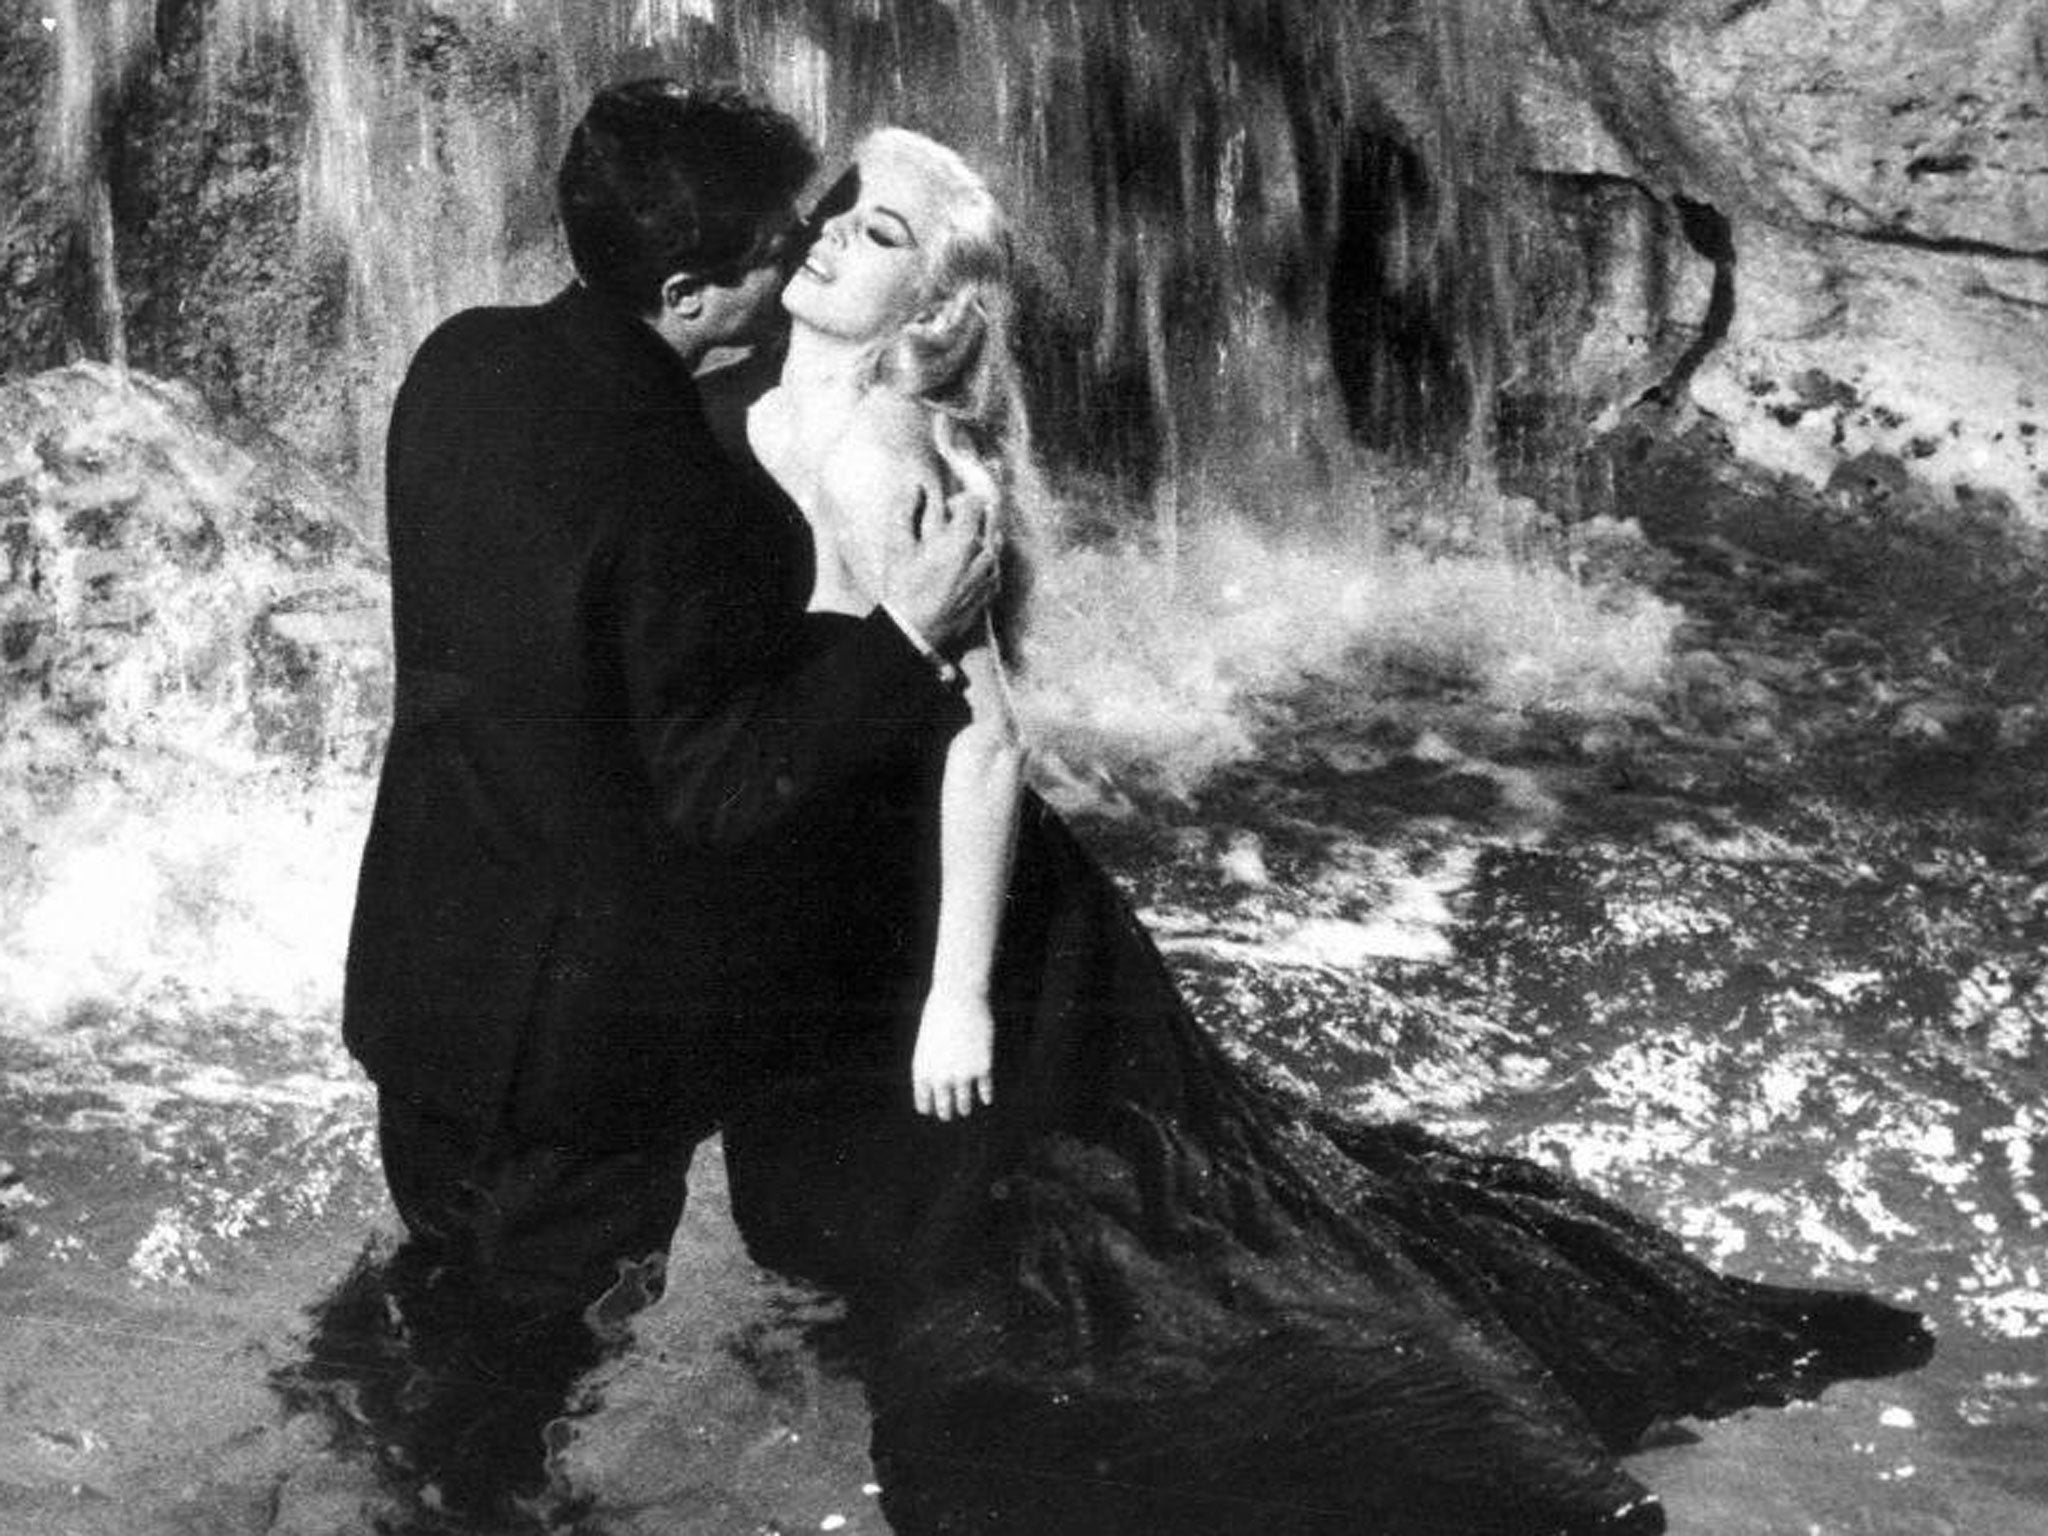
[[970, 1091], [952, 1098]]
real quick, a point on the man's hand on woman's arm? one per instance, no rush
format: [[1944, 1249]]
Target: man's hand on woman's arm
[[737, 726], [942, 582], [923, 556]]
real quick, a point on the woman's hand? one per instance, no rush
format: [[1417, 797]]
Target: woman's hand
[[953, 1066]]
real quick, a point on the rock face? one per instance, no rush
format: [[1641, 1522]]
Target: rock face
[[1822, 222], [1868, 181], [213, 285], [157, 571]]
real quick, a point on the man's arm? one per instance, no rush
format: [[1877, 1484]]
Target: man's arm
[[737, 732]]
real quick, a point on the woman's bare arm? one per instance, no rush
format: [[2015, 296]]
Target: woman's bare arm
[[953, 1065], [882, 463]]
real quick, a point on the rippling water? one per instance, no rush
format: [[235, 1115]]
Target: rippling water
[[1810, 1039]]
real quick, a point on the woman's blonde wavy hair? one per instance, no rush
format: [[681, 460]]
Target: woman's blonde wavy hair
[[955, 359]]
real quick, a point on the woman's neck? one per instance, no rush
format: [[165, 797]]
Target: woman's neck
[[797, 422], [823, 368]]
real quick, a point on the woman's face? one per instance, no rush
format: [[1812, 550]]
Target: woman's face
[[861, 279]]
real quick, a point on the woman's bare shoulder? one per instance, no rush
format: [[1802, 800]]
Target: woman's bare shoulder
[[886, 422], [887, 446], [768, 427]]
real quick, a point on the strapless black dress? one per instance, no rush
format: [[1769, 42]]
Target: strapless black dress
[[1150, 1293]]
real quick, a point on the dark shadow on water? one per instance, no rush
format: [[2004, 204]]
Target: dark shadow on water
[[803, 1328], [456, 1409], [1666, 1433]]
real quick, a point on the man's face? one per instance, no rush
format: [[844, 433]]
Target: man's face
[[864, 275], [741, 306]]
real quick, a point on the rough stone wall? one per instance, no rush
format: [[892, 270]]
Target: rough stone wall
[[1824, 223], [222, 286], [216, 284], [1880, 168]]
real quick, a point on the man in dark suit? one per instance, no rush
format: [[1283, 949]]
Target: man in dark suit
[[600, 713]]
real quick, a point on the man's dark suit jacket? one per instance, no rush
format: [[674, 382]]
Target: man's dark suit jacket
[[602, 719]]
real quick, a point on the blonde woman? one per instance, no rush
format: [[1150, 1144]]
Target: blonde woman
[[1112, 1283], [898, 391]]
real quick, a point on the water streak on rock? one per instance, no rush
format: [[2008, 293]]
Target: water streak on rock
[[1184, 180]]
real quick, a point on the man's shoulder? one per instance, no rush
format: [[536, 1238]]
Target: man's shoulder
[[481, 334], [518, 362], [487, 321]]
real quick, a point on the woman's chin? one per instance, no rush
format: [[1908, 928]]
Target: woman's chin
[[801, 301]]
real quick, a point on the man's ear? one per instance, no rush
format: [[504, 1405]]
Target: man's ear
[[682, 296]]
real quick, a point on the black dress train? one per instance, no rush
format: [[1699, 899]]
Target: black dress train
[[1147, 1293]]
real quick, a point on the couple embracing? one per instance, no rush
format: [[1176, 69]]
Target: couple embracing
[[703, 810]]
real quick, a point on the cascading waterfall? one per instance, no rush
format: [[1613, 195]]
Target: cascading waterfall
[[1227, 272], [96, 45]]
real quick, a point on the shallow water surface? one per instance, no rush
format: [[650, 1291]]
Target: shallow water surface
[[1809, 1036]]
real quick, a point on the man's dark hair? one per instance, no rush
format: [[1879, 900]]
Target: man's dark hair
[[661, 178]]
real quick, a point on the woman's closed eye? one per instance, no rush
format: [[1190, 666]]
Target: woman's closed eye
[[889, 229]]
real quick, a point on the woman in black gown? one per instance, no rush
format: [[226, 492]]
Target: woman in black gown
[[1108, 1281]]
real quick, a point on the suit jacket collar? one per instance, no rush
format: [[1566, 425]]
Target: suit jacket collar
[[637, 371], [621, 348]]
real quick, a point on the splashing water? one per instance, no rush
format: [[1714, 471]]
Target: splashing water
[[199, 685], [1149, 674], [194, 684]]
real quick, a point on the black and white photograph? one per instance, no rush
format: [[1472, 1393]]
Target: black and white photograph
[[1023, 767]]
